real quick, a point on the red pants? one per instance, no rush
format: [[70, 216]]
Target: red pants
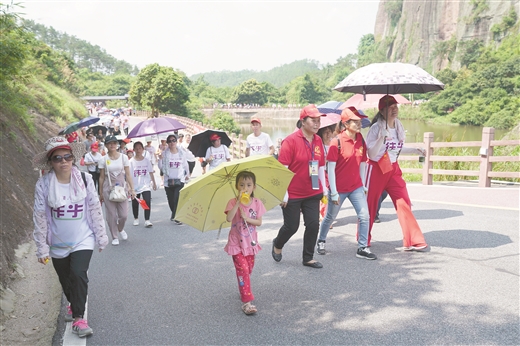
[[244, 267], [394, 184]]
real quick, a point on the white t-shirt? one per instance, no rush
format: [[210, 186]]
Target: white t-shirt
[[151, 153], [189, 155], [177, 166], [391, 144], [69, 226], [220, 154], [140, 171], [259, 145], [93, 157], [114, 166]]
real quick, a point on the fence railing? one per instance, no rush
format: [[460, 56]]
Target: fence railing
[[485, 157]]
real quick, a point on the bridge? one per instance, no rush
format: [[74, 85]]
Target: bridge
[[105, 98]]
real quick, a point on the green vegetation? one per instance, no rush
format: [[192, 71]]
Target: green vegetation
[[223, 121], [394, 8], [479, 6], [161, 89], [277, 76]]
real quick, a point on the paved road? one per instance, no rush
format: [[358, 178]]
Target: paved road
[[174, 285]]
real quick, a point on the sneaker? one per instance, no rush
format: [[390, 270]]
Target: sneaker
[[115, 242], [376, 220], [364, 252], [123, 235], [321, 247], [81, 328], [177, 222], [148, 223], [68, 315], [136, 222], [172, 218], [415, 248]]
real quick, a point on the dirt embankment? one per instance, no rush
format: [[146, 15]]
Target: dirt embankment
[[29, 292]]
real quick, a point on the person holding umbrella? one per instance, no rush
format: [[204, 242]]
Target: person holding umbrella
[[144, 180], [346, 161], [385, 141], [303, 153], [175, 173], [217, 152]]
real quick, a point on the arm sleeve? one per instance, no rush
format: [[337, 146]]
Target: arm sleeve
[[332, 177], [321, 176], [374, 141], [408, 150], [96, 213], [40, 220]]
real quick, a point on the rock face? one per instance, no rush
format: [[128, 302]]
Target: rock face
[[428, 33]]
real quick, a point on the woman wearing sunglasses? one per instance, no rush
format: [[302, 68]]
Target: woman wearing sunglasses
[[68, 223], [114, 170], [176, 172]]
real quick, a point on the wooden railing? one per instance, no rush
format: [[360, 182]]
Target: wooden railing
[[485, 158]]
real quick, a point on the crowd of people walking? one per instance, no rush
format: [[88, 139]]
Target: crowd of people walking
[[330, 164]]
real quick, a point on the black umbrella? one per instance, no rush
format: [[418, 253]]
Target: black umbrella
[[200, 142], [95, 130]]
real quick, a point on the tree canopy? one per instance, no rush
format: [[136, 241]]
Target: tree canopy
[[162, 89]]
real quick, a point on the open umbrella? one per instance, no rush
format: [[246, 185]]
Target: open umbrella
[[78, 124], [370, 101], [389, 78], [155, 126], [329, 119], [203, 200], [200, 142]]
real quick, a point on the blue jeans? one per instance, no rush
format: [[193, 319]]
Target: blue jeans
[[359, 202]]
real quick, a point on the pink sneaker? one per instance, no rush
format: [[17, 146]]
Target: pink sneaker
[[81, 328]]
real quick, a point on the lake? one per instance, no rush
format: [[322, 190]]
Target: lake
[[281, 127]]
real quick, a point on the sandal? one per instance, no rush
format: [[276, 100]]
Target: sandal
[[249, 308]]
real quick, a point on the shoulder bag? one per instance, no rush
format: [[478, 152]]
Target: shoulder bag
[[117, 192]]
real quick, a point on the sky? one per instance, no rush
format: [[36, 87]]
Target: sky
[[205, 36]]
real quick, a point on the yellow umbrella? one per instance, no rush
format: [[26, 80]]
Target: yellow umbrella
[[202, 202]]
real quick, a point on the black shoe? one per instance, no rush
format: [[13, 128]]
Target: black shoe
[[177, 222], [316, 264], [172, 218], [276, 256], [364, 252]]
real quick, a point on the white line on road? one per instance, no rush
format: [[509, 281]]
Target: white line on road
[[466, 205]]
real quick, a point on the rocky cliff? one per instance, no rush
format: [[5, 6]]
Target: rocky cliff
[[433, 34]]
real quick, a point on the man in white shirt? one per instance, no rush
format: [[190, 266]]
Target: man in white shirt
[[258, 143]]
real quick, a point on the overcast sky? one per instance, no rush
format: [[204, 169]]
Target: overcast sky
[[204, 36]]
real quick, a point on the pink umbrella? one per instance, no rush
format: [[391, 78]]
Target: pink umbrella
[[155, 126], [371, 102], [330, 119]]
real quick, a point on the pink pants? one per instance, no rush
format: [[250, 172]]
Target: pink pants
[[244, 267], [394, 184]]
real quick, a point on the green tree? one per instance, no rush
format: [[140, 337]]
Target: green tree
[[224, 121], [250, 92], [161, 89], [305, 89], [14, 49]]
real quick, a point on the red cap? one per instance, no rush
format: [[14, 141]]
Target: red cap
[[127, 140], [94, 147], [255, 119], [356, 112], [311, 111], [214, 137], [386, 101], [347, 115]]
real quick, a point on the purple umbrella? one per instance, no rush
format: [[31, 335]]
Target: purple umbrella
[[155, 126]]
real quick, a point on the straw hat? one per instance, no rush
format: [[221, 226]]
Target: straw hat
[[41, 160]]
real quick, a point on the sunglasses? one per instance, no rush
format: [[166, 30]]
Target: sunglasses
[[172, 141], [59, 158]]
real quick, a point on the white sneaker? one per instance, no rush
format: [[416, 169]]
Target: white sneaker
[[148, 223], [123, 235], [136, 222], [115, 242]]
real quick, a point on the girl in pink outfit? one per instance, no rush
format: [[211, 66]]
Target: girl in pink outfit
[[244, 214]]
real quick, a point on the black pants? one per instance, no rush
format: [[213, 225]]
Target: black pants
[[72, 272], [310, 208], [191, 164], [147, 196], [172, 193], [95, 177]]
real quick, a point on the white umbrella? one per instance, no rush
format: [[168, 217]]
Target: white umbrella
[[389, 78]]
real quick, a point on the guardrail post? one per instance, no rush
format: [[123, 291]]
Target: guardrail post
[[427, 178], [239, 146], [486, 150]]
